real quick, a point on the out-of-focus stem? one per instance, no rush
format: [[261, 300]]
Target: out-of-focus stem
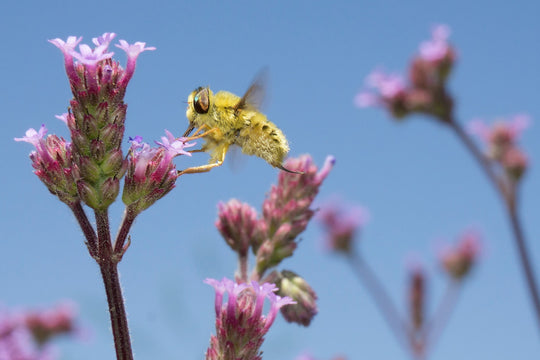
[[509, 198], [243, 267], [379, 294], [109, 272], [433, 329]]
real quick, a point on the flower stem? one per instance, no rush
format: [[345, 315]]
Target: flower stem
[[127, 222], [381, 297], [433, 329], [109, 273], [86, 227], [509, 198]]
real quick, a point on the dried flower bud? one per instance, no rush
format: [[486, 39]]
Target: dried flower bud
[[295, 287], [417, 293], [341, 225], [237, 222], [458, 260]]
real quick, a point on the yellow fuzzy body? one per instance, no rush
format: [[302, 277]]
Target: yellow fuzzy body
[[237, 123]]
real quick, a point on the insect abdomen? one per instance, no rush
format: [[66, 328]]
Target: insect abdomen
[[262, 138]]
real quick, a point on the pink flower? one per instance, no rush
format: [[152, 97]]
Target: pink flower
[[436, 49], [133, 51], [385, 89]]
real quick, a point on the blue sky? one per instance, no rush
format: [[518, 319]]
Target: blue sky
[[418, 182]]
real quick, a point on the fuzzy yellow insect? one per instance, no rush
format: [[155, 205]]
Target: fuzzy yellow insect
[[224, 119]]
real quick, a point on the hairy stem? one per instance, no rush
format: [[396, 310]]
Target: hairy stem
[[127, 222], [109, 273], [86, 227]]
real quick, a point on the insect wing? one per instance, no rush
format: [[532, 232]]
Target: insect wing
[[255, 94]]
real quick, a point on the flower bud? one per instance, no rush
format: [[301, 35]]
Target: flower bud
[[458, 260], [295, 287]]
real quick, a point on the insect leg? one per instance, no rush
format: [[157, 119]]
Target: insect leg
[[208, 167]]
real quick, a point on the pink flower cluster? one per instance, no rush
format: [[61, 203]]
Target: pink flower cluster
[[26, 335], [501, 140], [52, 163], [341, 224], [426, 92], [151, 174], [240, 323]]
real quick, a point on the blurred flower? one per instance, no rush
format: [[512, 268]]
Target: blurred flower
[[25, 335], [426, 92], [458, 260], [295, 287], [341, 224], [501, 140], [240, 324], [52, 163]]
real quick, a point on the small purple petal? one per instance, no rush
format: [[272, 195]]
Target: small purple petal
[[104, 40], [32, 136]]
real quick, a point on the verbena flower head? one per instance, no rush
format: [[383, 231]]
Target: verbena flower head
[[97, 114], [52, 163], [25, 335], [384, 90], [240, 323], [501, 140], [286, 209], [459, 259], [238, 224], [151, 173], [426, 93], [341, 224], [437, 49]]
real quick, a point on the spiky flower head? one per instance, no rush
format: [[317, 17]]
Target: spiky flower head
[[238, 224], [97, 114], [286, 209], [52, 163], [240, 323], [151, 173]]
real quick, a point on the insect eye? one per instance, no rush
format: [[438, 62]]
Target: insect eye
[[201, 103]]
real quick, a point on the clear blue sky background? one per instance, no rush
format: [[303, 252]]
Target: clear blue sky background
[[418, 182]]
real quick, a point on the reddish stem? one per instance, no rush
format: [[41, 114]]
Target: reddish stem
[[508, 195], [109, 272]]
